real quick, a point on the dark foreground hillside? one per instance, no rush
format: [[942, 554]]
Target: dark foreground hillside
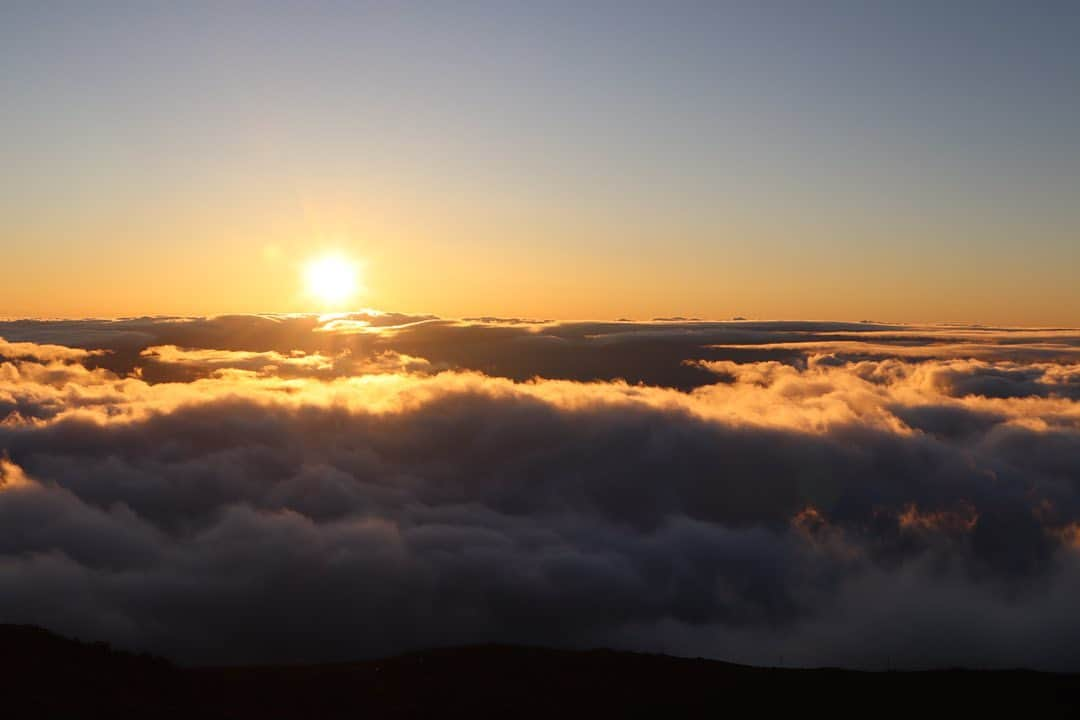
[[43, 675]]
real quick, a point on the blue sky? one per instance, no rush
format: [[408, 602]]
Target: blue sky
[[913, 160]]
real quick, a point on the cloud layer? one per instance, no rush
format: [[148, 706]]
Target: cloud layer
[[255, 489]]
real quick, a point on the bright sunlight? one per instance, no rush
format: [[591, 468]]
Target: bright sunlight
[[332, 279]]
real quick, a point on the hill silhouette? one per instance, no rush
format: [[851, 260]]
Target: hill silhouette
[[50, 676]]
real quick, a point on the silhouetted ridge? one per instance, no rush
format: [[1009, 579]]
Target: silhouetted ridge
[[50, 676], [44, 673]]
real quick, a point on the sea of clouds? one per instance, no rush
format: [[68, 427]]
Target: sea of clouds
[[303, 488]]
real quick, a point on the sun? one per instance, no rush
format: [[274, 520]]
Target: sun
[[332, 279]]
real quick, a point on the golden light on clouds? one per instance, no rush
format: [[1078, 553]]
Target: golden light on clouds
[[332, 279]]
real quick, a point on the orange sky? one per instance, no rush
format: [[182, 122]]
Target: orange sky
[[556, 164]]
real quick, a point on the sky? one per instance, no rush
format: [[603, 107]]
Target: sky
[[832, 160]]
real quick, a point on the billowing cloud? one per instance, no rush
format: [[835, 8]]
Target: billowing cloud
[[300, 488]]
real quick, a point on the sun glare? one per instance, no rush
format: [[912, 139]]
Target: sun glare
[[331, 279]]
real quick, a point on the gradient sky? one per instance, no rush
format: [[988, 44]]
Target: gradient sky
[[827, 160]]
